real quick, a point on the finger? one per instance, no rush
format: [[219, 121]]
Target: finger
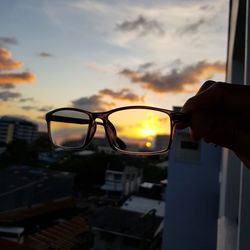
[[205, 86], [206, 98], [200, 125], [232, 97], [222, 129], [182, 125]]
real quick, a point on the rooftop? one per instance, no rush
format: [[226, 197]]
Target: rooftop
[[143, 205], [22, 186], [123, 222], [67, 235], [15, 119]]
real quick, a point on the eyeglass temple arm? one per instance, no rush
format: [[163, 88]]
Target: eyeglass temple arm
[[74, 120], [179, 117]]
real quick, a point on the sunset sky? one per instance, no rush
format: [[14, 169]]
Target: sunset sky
[[98, 55]]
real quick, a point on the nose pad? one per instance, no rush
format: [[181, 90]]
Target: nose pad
[[112, 135], [91, 133], [92, 130]]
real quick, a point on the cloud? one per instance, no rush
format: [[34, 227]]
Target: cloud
[[191, 28], [9, 79], [176, 80], [101, 68], [145, 66], [123, 94], [142, 26], [4, 41], [92, 103], [45, 54], [27, 108], [7, 95], [207, 7], [45, 108], [6, 63], [97, 102], [7, 86], [16, 78], [28, 99], [32, 107]]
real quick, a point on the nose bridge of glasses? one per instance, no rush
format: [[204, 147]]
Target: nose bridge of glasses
[[112, 135], [99, 121]]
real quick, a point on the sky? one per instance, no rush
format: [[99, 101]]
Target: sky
[[98, 55]]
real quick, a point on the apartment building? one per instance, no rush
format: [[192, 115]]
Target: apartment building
[[15, 128], [121, 179], [192, 195]]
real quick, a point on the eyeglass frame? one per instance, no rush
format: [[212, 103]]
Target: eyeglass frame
[[110, 131]]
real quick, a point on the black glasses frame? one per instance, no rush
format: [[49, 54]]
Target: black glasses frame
[[116, 143]]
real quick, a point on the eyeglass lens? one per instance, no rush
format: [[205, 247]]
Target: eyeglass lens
[[69, 128], [141, 130]]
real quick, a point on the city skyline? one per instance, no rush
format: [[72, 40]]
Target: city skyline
[[99, 55]]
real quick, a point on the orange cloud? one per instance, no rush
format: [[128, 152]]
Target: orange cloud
[[16, 78], [6, 63], [176, 80], [11, 78]]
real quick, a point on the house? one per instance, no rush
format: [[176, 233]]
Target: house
[[121, 179], [144, 205], [73, 233], [121, 229]]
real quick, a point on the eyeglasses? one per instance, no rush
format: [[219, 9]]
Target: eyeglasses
[[135, 130]]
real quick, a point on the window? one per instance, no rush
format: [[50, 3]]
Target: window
[[190, 145], [186, 150], [117, 177]]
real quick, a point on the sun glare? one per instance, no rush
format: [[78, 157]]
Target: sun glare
[[149, 126], [148, 132]]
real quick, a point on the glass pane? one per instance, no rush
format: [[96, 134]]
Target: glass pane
[[69, 128], [142, 130]]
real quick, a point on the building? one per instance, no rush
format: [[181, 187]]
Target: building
[[121, 179], [144, 205], [121, 229], [38, 211], [192, 195], [14, 128], [234, 198], [234, 213], [22, 187], [160, 142], [73, 233], [152, 190], [2, 147]]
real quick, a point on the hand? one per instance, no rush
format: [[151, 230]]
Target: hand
[[220, 113]]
